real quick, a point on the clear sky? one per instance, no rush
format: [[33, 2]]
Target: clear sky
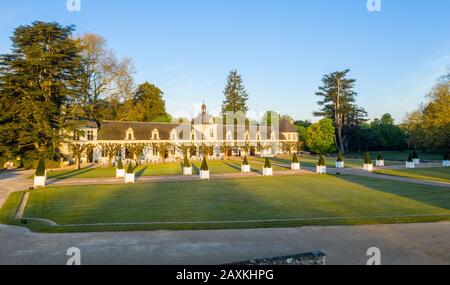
[[282, 48]]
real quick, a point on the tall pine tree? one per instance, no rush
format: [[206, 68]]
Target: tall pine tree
[[338, 104], [235, 94], [38, 84]]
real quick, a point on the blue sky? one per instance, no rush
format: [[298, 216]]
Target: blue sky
[[282, 48]]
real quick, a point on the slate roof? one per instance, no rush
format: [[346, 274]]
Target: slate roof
[[114, 130]]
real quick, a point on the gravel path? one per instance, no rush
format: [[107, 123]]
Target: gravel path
[[399, 244]]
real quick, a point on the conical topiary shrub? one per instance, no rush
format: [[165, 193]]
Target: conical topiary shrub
[[130, 169], [186, 162], [380, 161], [379, 157], [204, 170], [321, 161], [40, 176], [40, 170], [367, 158], [245, 162], [340, 157], [446, 156], [120, 164], [267, 163], [295, 158], [410, 158], [204, 166], [415, 155]]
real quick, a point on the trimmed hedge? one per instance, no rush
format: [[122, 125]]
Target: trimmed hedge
[[267, 163], [40, 171], [130, 169], [204, 166], [340, 157], [367, 158], [321, 161], [295, 158], [120, 164], [245, 162]]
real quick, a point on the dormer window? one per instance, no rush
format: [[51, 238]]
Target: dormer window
[[155, 135], [173, 135], [130, 134]]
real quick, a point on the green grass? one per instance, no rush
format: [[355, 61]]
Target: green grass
[[9, 208], [356, 200], [434, 174], [396, 155]]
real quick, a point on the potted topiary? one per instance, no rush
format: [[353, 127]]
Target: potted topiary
[[295, 163], [415, 157], [340, 161], [204, 170], [41, 174], [187, 167], [380, 161], [446, 160], [321, 166], [267, 170], [368, 165], [410, 162], [120, 170], [245, 167], [130, 175]]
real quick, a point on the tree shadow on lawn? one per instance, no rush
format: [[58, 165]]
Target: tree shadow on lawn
[[431, 195], [72, 173], [141, 171]]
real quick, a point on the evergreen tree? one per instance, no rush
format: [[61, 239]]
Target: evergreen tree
[[295, 158], [39, 85], [40, 170], [149, 104], [267, 163], [204, 166], [338, 104], [367, 158], [379, 157], [321, 161], [120, 164], [235, 94], [245, 162], [340, 157], [186, 162], [130, 169]]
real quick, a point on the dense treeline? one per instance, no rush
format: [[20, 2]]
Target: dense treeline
[[50, 80]]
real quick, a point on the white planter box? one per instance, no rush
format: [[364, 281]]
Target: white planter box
[[416, 161], [187, 170], [340, 164], [295, 166], [245, 168], [379, 163], [204, 175], [410, 165], [129, 178], [267, 172], [39, 181], [368, 167], [321, 169], [446, 163], [120, 173]]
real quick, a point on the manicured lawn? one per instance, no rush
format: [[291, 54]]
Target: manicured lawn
[[397, 155], [311, 161], [436, 174], [332, 199]]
